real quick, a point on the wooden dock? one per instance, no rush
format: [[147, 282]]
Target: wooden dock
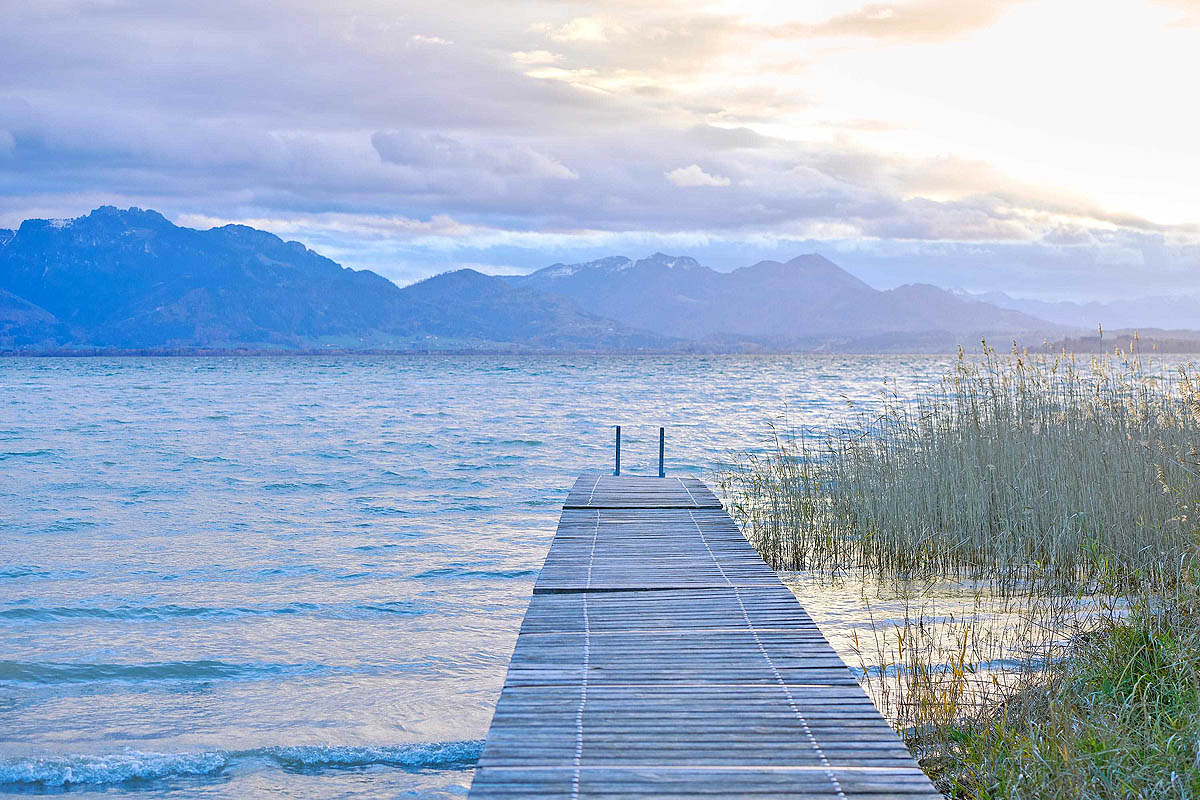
[[662, 658]]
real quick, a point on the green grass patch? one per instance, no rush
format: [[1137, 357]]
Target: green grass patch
[[1120, 719]]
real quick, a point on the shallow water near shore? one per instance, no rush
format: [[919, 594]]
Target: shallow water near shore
[[303, 577]]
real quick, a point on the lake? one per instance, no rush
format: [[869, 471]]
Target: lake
[[303, 577]]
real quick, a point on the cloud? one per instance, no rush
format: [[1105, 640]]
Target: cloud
[[922, 20], [580, 29], [437, 151], [694, 176], [575, 77], [1190, 9], [360, 225], [531, 57], [719, 138], [419, 38]]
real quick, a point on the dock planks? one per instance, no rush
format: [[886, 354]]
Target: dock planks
[[662, 658]]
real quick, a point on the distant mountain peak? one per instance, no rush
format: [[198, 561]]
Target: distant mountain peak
[[102, 219], [125, 216], [609, 264], [672, 262], [812, 268], [613, 265], [252, 237], [455, 279], [812, 259], [30, 226]]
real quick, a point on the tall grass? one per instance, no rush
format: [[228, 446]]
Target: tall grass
[[1017, 469], [1063, 496]]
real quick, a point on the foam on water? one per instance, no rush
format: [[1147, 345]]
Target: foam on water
[[134, 767], [61, 771], [432, 755]]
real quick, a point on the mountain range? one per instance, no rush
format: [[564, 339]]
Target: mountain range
[[130, 280], [1179, 312], [806, 303]]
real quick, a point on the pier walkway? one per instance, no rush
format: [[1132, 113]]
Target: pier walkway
[[662, 658]]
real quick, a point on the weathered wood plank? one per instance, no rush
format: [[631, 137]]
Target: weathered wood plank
[[661, 658], [598, 490]]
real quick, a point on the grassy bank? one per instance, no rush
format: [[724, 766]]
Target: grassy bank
[[1065, 492], [1119, 718]]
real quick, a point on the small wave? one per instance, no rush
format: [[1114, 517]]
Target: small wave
[[385, 511], [133, 767], [352, 576], [58, 772], [517, 442], [429, 755], [404, 608], [149, 612], [453, 572], [294, 486], [293, 570], [9, 454], [64, 525], [52, 672], [23, 571], [23, 614]]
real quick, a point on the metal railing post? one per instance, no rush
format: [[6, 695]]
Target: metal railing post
[[662, 441], [617, 468]]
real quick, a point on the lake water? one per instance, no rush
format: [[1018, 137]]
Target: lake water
[[303, 577]]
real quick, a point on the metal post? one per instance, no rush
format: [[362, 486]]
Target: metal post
[[617, 470], [662, 441]]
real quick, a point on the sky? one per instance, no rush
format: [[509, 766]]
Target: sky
[[1047, 148]]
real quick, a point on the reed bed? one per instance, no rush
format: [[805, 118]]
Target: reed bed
[[1061, 498], [1019, 469]]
